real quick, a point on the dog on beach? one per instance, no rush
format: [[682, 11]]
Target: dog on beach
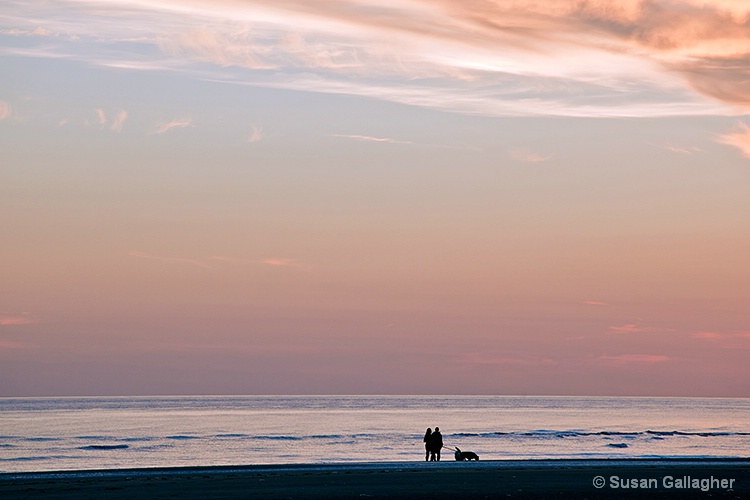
[[465, 455]]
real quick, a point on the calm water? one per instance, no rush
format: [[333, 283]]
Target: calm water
[[92, 433]]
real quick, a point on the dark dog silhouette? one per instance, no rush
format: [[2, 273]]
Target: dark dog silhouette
[[465, 455]]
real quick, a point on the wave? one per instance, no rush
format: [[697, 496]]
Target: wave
[[33, 458], [544, 433], [104, 447], [277, 438], [313, 437]]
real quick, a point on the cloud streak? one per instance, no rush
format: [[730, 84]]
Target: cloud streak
[[637, 328], [368, 138], [16, 319], [528, 156], [177, 123], [169, 260], [628, 359], [516, 57]]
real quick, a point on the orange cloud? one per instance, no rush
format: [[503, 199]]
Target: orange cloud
[[740, 138], [510, 57]]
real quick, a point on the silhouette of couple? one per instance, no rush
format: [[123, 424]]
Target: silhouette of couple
[[433, 443]]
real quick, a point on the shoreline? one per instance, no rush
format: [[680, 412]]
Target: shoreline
[[543, 478]]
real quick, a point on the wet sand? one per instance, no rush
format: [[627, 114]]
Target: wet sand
[[645, 478]]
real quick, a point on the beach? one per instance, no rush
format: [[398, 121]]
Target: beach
[[630, 478]]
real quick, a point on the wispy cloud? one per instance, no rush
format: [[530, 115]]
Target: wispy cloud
[[11, 344], [726, 340], [528, 156], [256, 134], [516, 57], [369, 138], [627, 359], [594, 303], [177, 123], [16, 319], [101, 115], [739, 138], [5, 110], [119, 121], [270, 262], [170, 260], [638, 328], [287, 263], [480, 358], [682, 150]]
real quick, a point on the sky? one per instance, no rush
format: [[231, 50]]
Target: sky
[[544, 197]]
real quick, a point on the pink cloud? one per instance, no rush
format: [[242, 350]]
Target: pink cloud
[[16, 319], [119, 121], [10, 344], [373, 139], [170, 260], [510, 57], [739, 139], [177, 123], [256, 135], [709, 336], [637, 328], [101, 116], [594, 303], [5, 110], [730, 340], [625, 359], [683, 150], [528, 156], [273, 262], [479, 358]]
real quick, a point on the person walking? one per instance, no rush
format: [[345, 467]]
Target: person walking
[[427, 445], [436, 444]]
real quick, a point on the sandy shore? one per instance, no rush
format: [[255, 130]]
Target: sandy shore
[[657, 478]]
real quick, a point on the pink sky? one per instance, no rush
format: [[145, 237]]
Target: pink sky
[[457, 197]]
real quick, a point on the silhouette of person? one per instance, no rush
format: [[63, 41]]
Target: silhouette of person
[[427, 437], [436, 444]]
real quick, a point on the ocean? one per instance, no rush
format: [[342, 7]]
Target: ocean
[[53, 434]]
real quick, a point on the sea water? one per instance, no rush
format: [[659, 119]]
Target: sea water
[[48, 434]]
